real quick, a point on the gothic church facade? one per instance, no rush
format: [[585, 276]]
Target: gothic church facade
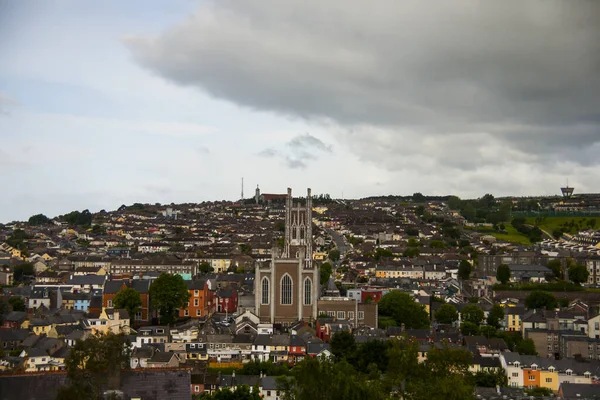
[[287, 288]]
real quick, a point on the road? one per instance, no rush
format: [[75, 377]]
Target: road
[[339, 240]]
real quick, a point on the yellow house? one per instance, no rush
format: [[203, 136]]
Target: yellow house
[[512, 318], [41, 326], [47, 257], [549, 379], [110, 320], [319, 256]]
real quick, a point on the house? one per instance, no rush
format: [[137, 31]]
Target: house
[[227, 300], [297, 349], [196, 351], [318, 349], [167, 359], [201, 302], [142, 286], [577, 391], [110, 320], [152, 334], [39, 296], [12, 339], [15, 320], [87, 283]]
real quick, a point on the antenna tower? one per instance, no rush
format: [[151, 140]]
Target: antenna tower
[[242, 188]]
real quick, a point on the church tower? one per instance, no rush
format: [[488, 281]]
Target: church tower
[[287, 290]]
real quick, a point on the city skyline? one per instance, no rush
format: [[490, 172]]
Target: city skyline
[[109, 104]]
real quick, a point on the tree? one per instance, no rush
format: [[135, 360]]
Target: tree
[[469, 329], [241, 392], [168, 293], [334, 255], [325, 272], [464, 270], [411, 252], [130, 300], [527, 347], [98, 230], [454, 202], [539, 392], [22, 270], [205, 268], [38, 219], [446, 314], [419, 210], [556, 267], [472, 313], [343, 346], [17, 303], [495, 315], [541, 299], [92, 363], [578, 274], [402, 309], [418, 197], [503, 273]]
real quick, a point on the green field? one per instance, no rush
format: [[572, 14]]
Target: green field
[[511, 235], [570, 225]]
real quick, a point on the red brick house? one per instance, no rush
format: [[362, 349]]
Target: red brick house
[[227, 300]]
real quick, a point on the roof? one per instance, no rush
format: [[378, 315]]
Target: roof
[[162, 357], [580, 391], [87, 280]]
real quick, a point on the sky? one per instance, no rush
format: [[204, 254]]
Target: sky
[[109, 103]]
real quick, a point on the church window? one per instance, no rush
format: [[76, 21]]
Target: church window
[[294, 232], [286, 289], [307, 292], [302, 233], [265, 291]]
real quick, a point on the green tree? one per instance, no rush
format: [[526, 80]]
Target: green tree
[[411, 252], [419, 210], [541, 299], [503, 273], [205, 268], [38, 219], [17, 303], [402, 309], [130, 300], [578, 274], [464, 270], [437, 244], [469, 329], [495, 315], [92, 363], [343, 346], [168, 293], [22, 270], [472, 313], [325, 272], [539, 392], [527, 347], [98, 230], [372, 352], [556, 267], [446, 314], [454, 202], [334, 255]]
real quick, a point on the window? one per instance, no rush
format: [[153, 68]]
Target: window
[[361, 315], [569, 372], [307, 292], [331, 313], [350, 314], [341, 315], [532, 377], [196, 302], [265, 291], [548, 380], [515, 374], [138, 315], [196, 293], [186, 313], [196, 388], [286, 290], [109, 304]]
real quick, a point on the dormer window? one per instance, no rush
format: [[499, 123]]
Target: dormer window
[[569, 372], [534, 367], [517, 364], [160, 331], [551, 369], [587, 374]]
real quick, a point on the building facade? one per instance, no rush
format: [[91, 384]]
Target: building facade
[[287, 289]]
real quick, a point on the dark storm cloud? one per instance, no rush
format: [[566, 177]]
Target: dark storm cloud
[[456, 84]]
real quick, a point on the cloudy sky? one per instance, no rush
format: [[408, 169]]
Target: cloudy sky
[[112, 102]]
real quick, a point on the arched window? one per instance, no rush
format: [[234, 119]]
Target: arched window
[[307, 292], [286, 289], [265, 291], [294, 232], [302, 232]]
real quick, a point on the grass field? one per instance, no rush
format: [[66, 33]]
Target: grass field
[[570, 225], [511, 235]]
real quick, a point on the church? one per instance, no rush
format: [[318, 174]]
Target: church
[[287, 288]]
